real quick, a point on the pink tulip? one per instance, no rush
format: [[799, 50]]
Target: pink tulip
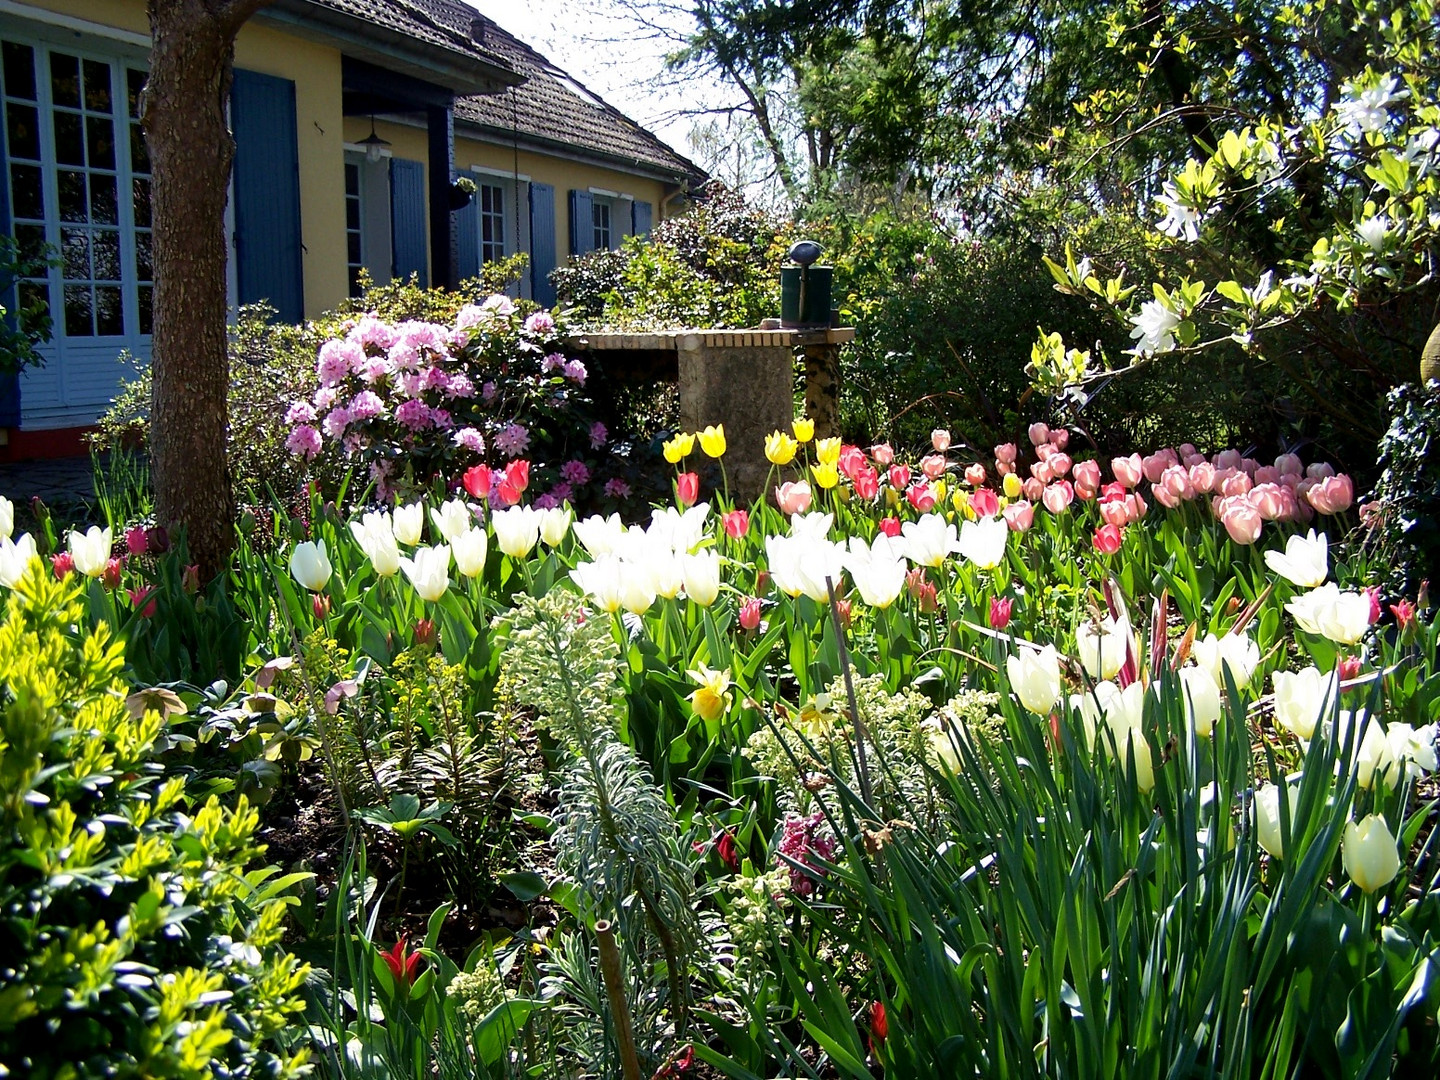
[[1228, 459], [1237, 483], [940, 440], [1241, 520], [687, 488], [1114, 512], [890, 526], [1266, 474], [1349, 668], [883, 453], [1332, 495], [985, 502], [750, 613], [1176, 480], [1000, 612], [1019, 516], [1107, 539], [1087, 479], [1202, 477], [1059, 463], [1185, 450], [1249, 465], [1372, 593], [793, 497], [852, 460], [1039, 433], [1033, 488], [1155, 464], [1289, 465], [899, 477], [1269, 501], [1004, 468], [1044, 450], [867, 483], [736, 523], [1320, 470], [1060, 438], [933, 466], [1165, 497], [975, 474], [921, 497], [1135, 508], [1058, 496], [1041, 471], [1006, 452], [1372, 513], [137, 541], [1191, 460], [1128, 470]]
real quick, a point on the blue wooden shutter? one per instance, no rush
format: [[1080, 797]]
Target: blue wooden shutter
[[582, 222], [467, 239], [542, 242], [641, 215], [267, 194], [407, 219], [9, 380]]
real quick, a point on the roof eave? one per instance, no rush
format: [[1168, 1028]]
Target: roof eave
[[391, 49], [503, 136]]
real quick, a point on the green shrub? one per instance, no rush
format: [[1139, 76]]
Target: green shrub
[[1406, 523], [135, 942]]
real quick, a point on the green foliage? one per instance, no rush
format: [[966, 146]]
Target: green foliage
[[1405, 529], [137, 941], [29, 324]]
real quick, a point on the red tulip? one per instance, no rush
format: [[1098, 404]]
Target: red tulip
[[111, 576], [687, 488], [478, 480], [729, 854], [879, 1024], [403, 964], [1108, 539], [1000, 612], [736, 523], [890, 526], [62, 564]]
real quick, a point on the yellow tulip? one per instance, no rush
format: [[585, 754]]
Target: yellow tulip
[[827, 451], [713, 697], [892, 498], [826, 475], [1012, 486], [679, 448], [712, 440], [804, 429], [939, 491], [780, 448], [961, 498]]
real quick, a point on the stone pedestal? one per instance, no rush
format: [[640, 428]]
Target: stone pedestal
[[743, 379]]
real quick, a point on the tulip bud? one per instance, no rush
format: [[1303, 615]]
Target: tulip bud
[[247, 523], [63, 564], [1369, 853], [320, 606], [426, 635], [750, 613], [1000, 612], [110, 578]]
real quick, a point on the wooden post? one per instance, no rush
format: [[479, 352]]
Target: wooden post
[[822, 388]]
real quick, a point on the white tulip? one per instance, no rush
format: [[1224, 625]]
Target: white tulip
[[811, 526], [1035, 678], [554, 524], [929, 540], [799, 565], [309, 565], [663, 569], [1092, 706], [1234, 651], [1203, 704], [1342, 617], [408, 523], [15, 558], [600, 536], [600, 580], [1304, 562], [1412, 751], [941, 736], [877, 571], [373, 534], [470, 549], [7, 518], [1369, 853], [452, 519], [702, 577], [983, 542], [1301, 699], [1267, 817], [1102, 649], [680, 532], [429, 571], [517, 530], [1130, 744], [637, 592], [91, 551]]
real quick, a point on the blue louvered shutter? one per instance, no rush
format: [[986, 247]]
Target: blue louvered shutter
[[542, 242], [268, 261], [641, 218], [9, 380], [582, 222], [407, 219], [467, 239]]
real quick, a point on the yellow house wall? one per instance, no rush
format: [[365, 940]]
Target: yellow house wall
[[315, 70]]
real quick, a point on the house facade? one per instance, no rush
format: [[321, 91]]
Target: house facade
[[352, 120]]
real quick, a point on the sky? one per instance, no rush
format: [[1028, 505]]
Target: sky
[[576, 35]]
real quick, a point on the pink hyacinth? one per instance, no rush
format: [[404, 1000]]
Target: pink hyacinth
[[803, 847]]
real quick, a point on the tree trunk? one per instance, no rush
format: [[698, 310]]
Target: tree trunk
[[190, 148]]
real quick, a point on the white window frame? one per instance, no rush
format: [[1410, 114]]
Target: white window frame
[[515, 194]]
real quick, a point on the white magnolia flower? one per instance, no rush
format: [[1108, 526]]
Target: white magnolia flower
[[929, 540], [15, 556], [1343, 617], [516, 530], [1373, 230], [983, 542], [1368, 110], [1180, 220], [429, 571], [1102, 649], [1305, 560], [408, 522], [1234, 651], [1154, 328]]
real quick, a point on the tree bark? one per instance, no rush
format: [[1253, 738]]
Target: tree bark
[[183, 114]]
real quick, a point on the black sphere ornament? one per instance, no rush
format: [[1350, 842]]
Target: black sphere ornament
[[806, 252]]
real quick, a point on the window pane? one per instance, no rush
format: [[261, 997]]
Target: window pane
[[33, 294], [31, 239], [144, 267], [142, 202], [134, 83], [139, 152], [19, 71], [145, 294], [65, 80], [355, 289], [104, 206], [352, 178], [100, 136], [78, 311], [106, 243], [22, 125], [97, 86], [109, 313], [75, 254], [69, 142], [352, 213], [72, 195], [26, 191], [352, 247]]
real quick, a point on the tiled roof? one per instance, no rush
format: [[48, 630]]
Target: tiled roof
[[447, 29]]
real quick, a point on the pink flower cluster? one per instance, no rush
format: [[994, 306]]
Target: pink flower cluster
[[803, 843]]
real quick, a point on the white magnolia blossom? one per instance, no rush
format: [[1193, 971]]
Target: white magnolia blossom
[[1154, 328], [1373, 230], [1366, 110], [1180, 220]]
